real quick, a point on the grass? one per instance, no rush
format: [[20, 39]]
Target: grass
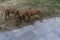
[[52, 5]]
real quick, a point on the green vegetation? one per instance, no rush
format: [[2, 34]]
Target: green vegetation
[[3, 0], [49, 6]]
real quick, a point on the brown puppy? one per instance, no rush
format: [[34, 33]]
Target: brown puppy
[[13, 11], [8, 11], [30, 13]]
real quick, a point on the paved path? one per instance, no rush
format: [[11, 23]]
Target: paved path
[[47, 30]]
